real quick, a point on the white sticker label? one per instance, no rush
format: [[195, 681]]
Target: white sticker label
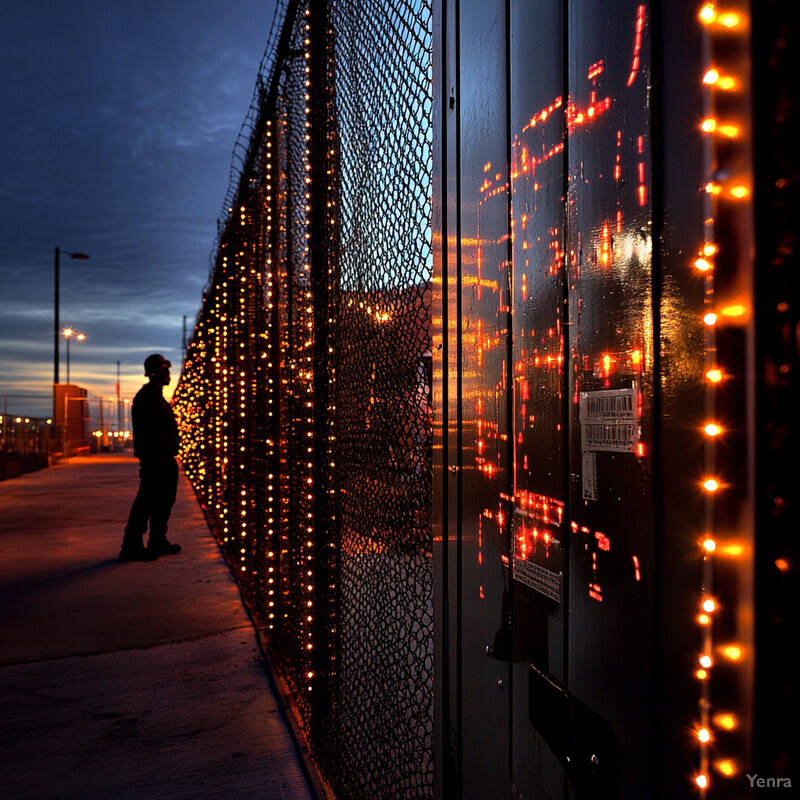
[[609, 421], [589, 475], [539, 578]]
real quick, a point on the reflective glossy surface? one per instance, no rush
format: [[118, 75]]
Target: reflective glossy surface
[[574, 383]]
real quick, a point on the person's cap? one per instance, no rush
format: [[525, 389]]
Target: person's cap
[[154, 363]]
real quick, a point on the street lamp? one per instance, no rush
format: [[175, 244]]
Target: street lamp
[[69, 334], [56, 330]]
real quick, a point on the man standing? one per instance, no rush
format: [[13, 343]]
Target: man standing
[[155, 442]]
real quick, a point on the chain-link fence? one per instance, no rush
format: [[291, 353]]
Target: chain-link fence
[[305, 397]]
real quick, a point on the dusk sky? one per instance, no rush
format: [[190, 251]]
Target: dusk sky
[[118, 123]]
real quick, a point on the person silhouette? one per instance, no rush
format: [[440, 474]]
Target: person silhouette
[[155, 443]]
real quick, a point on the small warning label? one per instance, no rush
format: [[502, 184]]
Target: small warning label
[[539, 578]]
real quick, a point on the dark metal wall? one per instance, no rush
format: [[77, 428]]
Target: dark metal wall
[[594, 440]]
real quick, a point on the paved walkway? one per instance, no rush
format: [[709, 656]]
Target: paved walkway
[[127, 681]]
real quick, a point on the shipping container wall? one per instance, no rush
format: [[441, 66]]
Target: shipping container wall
[[586, 225]]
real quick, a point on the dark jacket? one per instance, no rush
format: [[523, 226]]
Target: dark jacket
[[155, 432]]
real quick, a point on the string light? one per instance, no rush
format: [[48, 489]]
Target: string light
[[722, 186]]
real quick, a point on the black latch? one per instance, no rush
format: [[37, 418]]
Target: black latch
[[580, 738]]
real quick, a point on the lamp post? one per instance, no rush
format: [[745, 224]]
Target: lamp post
[[68, 335], [56, 331]]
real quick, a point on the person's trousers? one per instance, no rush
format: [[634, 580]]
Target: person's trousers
[[158, 487]]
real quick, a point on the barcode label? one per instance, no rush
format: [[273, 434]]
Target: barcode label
[[620, 437], [609, 420], [604, 405]]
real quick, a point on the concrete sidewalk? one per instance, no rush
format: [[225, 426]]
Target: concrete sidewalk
[[123, 681]]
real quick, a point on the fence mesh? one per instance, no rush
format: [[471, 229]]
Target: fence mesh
[[305, 396]]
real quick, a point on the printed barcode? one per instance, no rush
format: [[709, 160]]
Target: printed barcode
[[605, 404], [610, 433]]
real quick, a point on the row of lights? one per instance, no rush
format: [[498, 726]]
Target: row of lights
[[717, 80], [231, 366]]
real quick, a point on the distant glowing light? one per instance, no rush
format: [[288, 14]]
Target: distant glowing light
[[710, 319], [726, 767], [704, 735], [712, 429], [739, 192], [730, 20], [725, 721], [729, 130], [734, 310], [702, 781], [782, 564], [714, 375], [709, 605], [733, 652], [711, 484], [709, 545], [706, 662], [711, 77]]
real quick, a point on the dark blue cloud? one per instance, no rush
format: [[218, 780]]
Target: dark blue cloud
[[119, 121]]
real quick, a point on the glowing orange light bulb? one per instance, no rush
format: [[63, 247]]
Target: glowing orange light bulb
[[702, 781], [704, 735], [712, 429], [733, 652], [709, 249], [711, 77], [734, 310], [706, 662], [708, 125], [729, 130], [739, 192], [709, 545], [708, 13], [702, 264], [726, 767], [730, 20], [710, 319], [704, 619], [709, 605], [725, 721], [782, 564], [714, 375]]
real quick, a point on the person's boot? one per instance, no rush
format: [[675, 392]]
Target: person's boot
[[163, 547], [134, 552]]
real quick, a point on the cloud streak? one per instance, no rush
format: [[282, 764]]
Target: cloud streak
[[120, 121]]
